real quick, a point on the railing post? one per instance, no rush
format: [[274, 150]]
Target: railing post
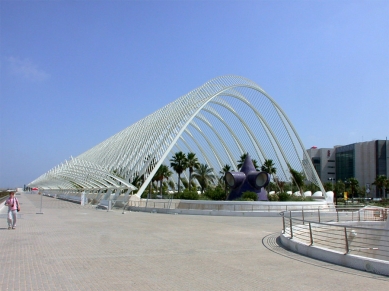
[[302, 212], [318, 210], [337, 215], [291, 226], [283, 223], [310, 233], [346, 240], [359, 215]]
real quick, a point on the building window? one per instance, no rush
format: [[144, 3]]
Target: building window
[[345, 163], [316, 165], [381, 157]]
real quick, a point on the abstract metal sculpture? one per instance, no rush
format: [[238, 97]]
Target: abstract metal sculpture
[[248, 179]]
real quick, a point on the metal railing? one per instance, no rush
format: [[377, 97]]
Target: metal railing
[[364, 232], [222, 206]]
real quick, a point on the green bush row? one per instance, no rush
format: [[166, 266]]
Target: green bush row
[[218, 194], [287, 197]]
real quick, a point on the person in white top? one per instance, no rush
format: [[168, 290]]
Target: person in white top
[[13, 207]]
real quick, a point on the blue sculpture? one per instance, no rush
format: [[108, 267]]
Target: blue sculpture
[[248, 179]]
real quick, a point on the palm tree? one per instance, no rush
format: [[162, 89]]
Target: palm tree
[[204, 176], [171, 184], [298, 179], [339, 190], [185, 183], [151, 185], [162, 173], [268, 167], [226, 168], [281, 185], [178, 163], [192, 163], [241, 161], [353, 184], [381, 181]]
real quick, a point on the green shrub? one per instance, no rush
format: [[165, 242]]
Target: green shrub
[[217, 193], [300, 198], [273, 197], [383, 203], [187, 195], [152, 195], [287, 197], [283, 196], [249, 196]]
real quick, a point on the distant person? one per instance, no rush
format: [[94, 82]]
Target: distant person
[[13, 207]]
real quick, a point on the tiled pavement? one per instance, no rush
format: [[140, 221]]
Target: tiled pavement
[[73, 247]]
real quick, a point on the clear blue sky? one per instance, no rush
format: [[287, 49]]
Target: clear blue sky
[[74, 73]]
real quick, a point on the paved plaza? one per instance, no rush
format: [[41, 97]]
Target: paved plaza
[[73, 247]]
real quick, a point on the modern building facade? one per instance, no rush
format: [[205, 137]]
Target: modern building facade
[[363, 161], [323, 160]]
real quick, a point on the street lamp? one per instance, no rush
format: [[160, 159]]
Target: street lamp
[[332, 188]]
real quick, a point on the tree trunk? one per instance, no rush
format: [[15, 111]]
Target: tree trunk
[[190, 177], [179, 183]]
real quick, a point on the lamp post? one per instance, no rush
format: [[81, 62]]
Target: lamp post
[[332, 188], [41, 193]]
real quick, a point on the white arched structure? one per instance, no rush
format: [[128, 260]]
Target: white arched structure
[[219, 121]]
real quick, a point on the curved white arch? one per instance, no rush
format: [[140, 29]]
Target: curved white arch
[[249, 121]]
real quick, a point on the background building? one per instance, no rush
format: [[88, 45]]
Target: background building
[[323, 160], [363, 161]]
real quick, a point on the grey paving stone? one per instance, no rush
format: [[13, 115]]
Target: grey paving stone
[[73, 247]]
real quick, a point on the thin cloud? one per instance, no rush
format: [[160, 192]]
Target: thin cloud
[[27, 70]]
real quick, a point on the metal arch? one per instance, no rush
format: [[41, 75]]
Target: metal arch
[[77, 172], [205, 156], [155, 136], [266, 127], [236, 139], [228, 152], [175, 139], [213, 150], [104, 175], [250, 134], [283, 116]]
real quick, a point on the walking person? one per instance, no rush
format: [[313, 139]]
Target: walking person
[[13, 207]]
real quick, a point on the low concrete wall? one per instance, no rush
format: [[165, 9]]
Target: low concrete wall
[[206, 212], [223, 208], [348, 260], [251, 205]]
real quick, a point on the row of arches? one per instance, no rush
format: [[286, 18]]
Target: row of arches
[[219, 121]]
